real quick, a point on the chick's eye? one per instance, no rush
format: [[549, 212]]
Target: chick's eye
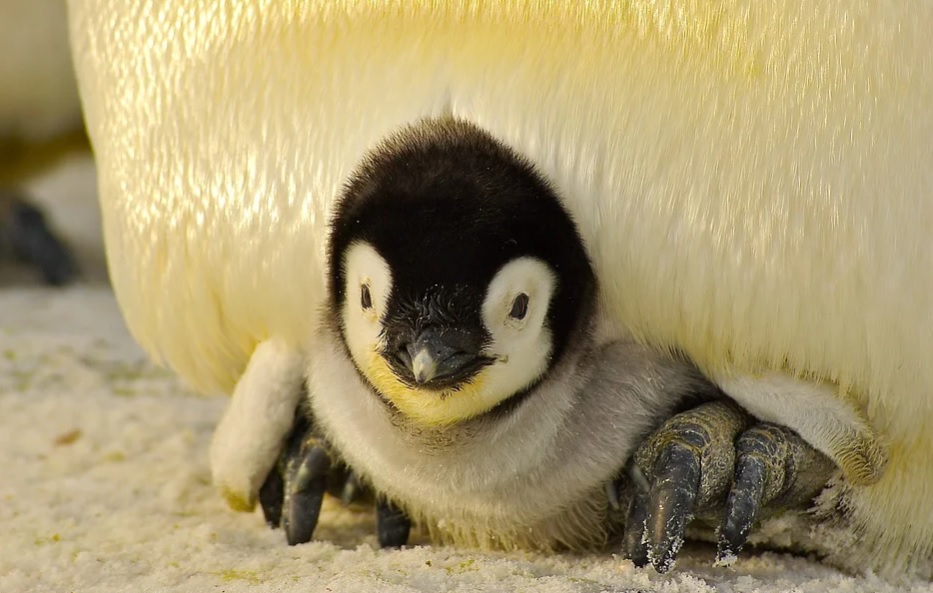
[[366, 299], [519, 307]]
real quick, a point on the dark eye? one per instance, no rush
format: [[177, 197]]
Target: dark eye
[[366, 299], [519, 307]]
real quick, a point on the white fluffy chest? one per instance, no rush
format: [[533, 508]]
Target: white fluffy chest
[[534, 473]]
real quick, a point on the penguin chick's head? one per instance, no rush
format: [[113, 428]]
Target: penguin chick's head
[[457, 277]]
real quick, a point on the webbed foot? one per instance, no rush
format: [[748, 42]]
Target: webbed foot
[[718, 463], [308, 468]]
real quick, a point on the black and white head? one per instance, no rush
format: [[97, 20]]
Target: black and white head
[[457, 277]]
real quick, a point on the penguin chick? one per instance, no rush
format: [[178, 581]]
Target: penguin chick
[[486, 286], [463, 371]]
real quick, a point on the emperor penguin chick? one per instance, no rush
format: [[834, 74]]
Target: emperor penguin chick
[[466, 372]]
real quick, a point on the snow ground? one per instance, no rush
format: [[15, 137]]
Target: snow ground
[[105, 484]]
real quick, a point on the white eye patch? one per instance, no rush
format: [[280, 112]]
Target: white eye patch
[[522, 286], [368, 283], [514, 312]]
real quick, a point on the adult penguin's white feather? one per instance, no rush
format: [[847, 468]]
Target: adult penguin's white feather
[[752, 180]]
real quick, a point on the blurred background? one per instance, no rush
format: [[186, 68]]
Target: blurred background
[[50, 232]]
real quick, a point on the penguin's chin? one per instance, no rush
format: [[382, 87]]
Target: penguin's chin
[[432, 407]]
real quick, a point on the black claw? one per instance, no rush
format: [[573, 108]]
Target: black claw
[[742, 507], [307, 470], [304, 495], [677, 481], [634, 544], [714, 460], [392, 525], [774, 467], [271, 497]]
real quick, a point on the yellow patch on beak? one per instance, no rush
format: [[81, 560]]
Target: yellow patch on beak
[[427, 407]]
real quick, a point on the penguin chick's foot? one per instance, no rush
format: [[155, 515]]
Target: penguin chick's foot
[[307, 469], [714, 461], [25, 232]]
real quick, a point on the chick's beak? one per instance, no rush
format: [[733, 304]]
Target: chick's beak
[[441, 357], [424, 364]]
